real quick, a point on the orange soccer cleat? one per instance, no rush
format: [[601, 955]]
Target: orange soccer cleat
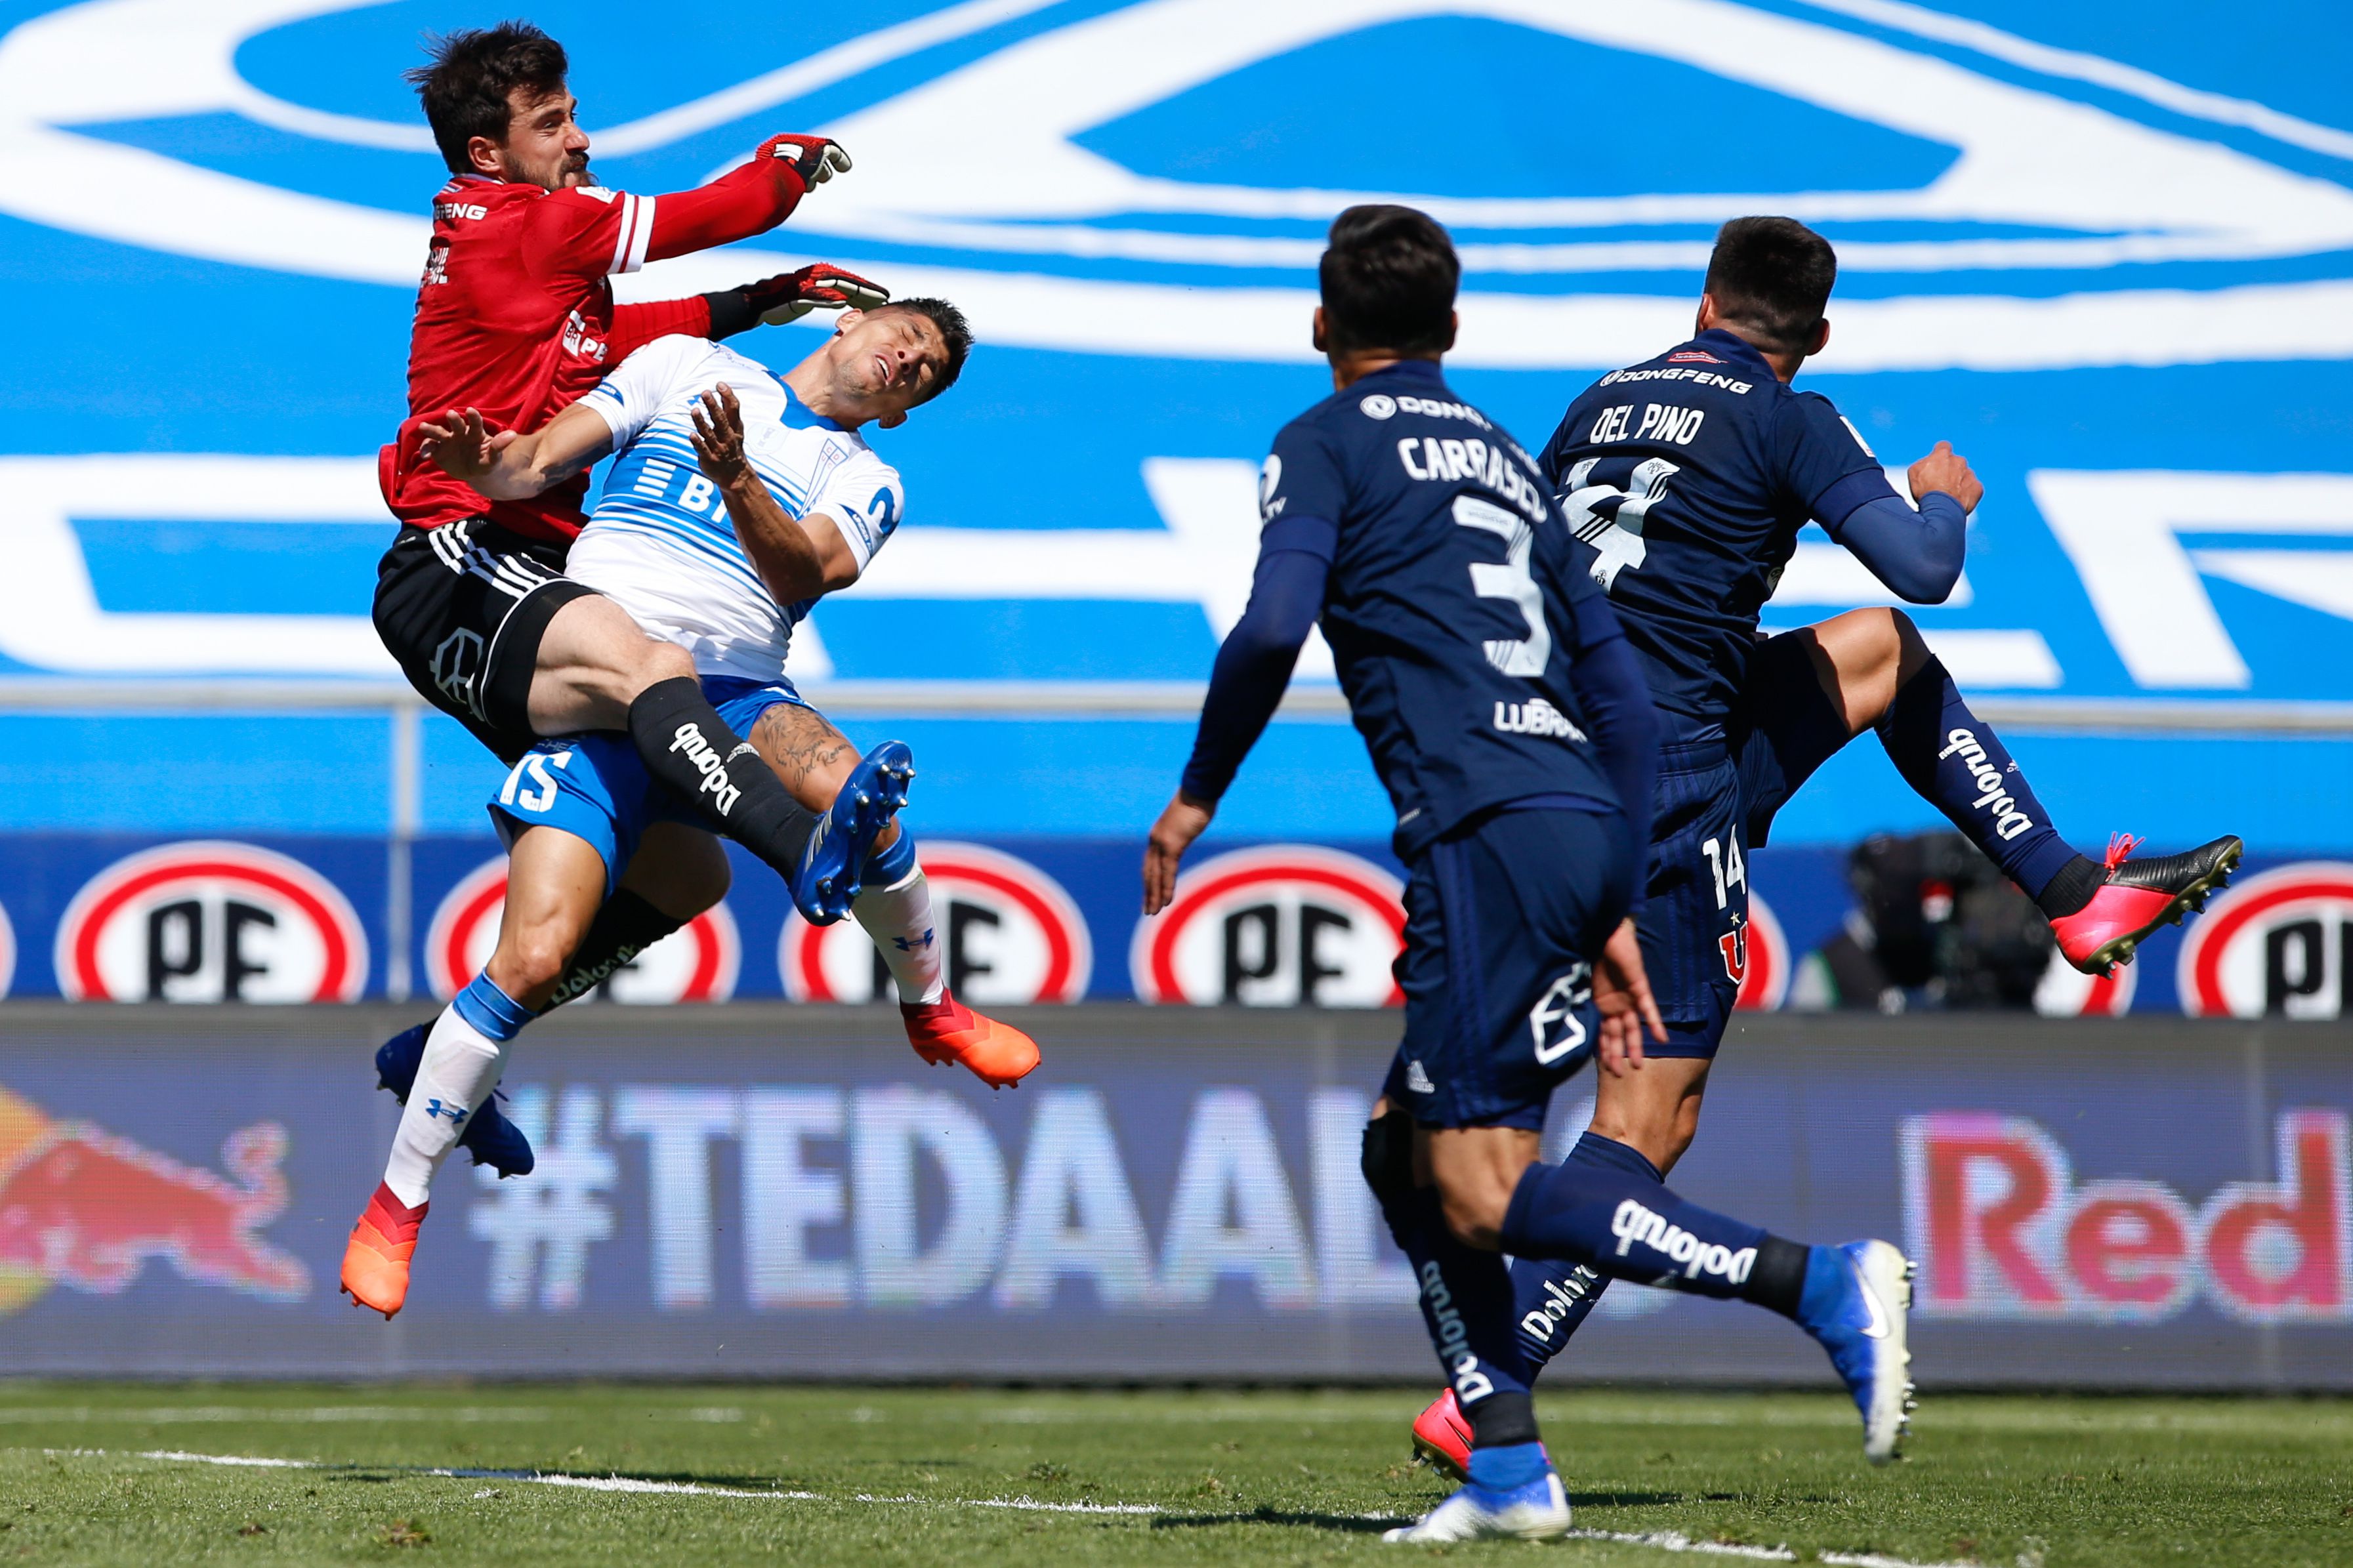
[[948, 1031], [2138, 896], [375, 1261], [1441, 1438]]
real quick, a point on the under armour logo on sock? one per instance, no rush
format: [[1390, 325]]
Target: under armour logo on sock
[[456, 1113], [903, 945]]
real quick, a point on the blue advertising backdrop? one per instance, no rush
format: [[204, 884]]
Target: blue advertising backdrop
[[2108, 249], [791, 1193]]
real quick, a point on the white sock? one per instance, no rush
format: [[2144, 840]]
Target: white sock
[[898, 919], [460, 1069]]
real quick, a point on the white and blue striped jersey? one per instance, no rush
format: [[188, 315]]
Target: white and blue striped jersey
[[659, 542]]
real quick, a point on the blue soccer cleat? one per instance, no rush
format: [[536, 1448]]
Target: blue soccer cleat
[[1857, 1303], [834, 860], [1536, 1511], [489, 1137]]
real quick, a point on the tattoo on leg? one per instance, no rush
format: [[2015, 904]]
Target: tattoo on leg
[[806, 751]]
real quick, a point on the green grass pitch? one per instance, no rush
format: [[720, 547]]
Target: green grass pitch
[[109, 1473]]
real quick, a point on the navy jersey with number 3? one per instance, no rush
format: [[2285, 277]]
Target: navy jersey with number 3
[[1690, 475], [1451, 602]]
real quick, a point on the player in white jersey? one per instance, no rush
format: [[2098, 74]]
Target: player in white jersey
[[736, 498]]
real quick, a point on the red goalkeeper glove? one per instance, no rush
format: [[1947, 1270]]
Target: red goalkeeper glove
[[816, 159], [792, 295]]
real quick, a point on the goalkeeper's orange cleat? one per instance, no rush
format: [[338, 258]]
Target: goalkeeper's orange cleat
[[375, 1261], [948, 1031]]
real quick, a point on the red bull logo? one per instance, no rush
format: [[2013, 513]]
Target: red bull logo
[[698, 964], [2002, 1229], [84, 1208], [210, 921]]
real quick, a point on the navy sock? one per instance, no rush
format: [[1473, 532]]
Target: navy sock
[[1627, 1225], [625, 927], [1956, 764], [1552, 1297], [1466, 1303]]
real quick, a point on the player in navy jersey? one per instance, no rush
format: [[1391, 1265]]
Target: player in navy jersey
[[1511, 725], [1690, 475]]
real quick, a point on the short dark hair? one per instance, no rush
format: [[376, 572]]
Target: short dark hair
[[1773, 276], [1389, 276], [956, 332], [465, 88]]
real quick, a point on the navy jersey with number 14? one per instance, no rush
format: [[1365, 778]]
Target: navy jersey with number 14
[[1691, 474], [1451, 601]]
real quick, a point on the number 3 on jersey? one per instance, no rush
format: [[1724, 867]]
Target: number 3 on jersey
[[1610, 519], [1510, 580]]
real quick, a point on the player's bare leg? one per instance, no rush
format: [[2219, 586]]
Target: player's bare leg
[[1879, 673], [678, 872], [814, 762], [554, 883]]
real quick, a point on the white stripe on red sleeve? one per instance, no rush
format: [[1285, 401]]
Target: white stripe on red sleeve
[[624, 221], [641, 231]]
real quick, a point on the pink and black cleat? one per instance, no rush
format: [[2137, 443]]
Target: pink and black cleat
[[2139, 896], [1441, 1438]]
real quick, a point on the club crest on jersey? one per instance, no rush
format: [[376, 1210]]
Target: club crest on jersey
[[1734, 944], [1556, 1021], [1269, 479]]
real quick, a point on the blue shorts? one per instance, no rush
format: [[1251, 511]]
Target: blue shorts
[[596, 787], [1502, 922], [1719, 788]]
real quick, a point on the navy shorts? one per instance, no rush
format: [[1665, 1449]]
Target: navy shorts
[[596, 787], [1719, 788], [1502, 922]]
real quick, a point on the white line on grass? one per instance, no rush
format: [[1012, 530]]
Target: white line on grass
[[29, 1415], [1662, 1541]]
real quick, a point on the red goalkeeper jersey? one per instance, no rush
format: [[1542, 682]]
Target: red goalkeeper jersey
[[515, 316]]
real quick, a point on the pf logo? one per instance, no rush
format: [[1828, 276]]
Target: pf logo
[[696, 964], [206, 922], [1757, 956], [1007, 934], [1284, 926], [2278, 943]]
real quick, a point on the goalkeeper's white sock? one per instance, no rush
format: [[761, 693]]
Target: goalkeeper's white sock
[[464, 1056], [896, 911]]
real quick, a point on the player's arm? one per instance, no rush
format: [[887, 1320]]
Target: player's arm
[[772, 302], [1918, 553], [797, 558], [591, 232], [1613, 697], [1246, 686], [508, 464], [1303, 493]]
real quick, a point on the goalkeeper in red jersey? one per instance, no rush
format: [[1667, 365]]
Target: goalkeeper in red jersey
[[515, 317]]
